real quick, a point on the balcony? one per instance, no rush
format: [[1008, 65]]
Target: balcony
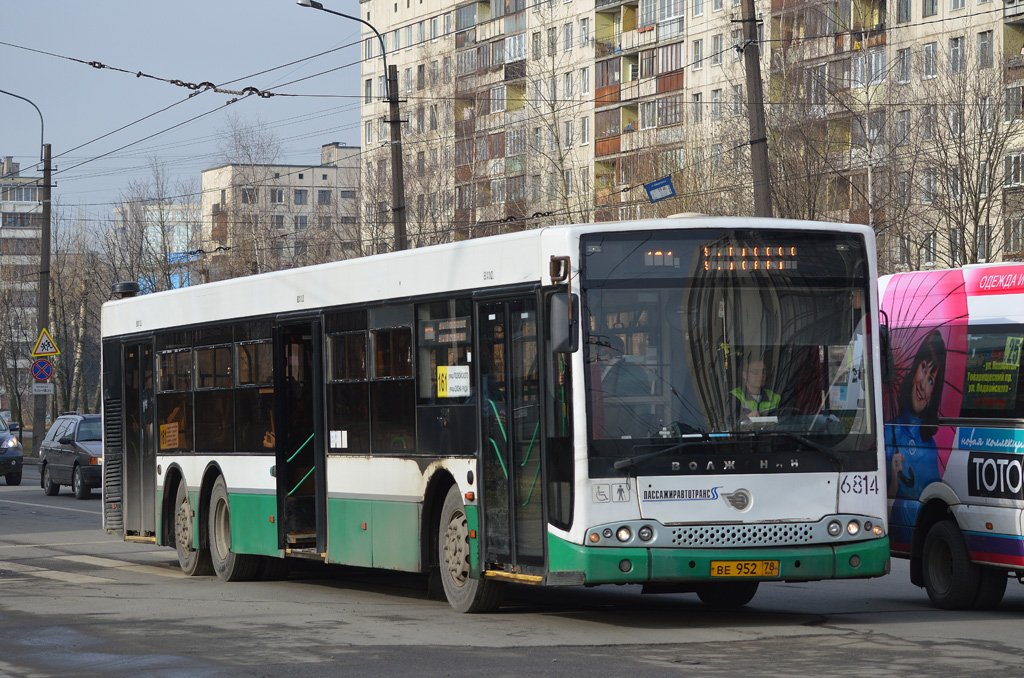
[[1013, 11], [608, 46]]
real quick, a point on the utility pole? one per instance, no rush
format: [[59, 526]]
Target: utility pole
[[43, 305], [397, 171], [755, 112], [391, 84]]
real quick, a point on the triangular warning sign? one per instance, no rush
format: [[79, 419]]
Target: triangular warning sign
[[45, 345]]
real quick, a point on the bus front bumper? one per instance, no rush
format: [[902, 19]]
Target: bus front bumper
[[573, 563]]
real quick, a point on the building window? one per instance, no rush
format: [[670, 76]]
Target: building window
[[698, 108], [584, 130], [956, 55], [902, 11], [567, 37], [981, 238], [585, 80], [901, 134], [368, 91], [1012, 175], [567, 135], [301, 222], [716, 104], [584, 32], [903, 65], [930, 61], [716, 50], [737, 100], [249, 196], [956, 247], [985, 59], [1013, 236], [276, 196], [698, 55], [929, 8], [323, 197], [301, 195], [928, 119], [277, 221], [956, 4], [928, 186], [928, 248], [1013, 104], [497, 100]]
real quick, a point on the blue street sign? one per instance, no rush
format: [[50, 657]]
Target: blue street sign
[[660, 189]]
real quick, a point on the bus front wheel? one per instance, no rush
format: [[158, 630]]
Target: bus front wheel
[[464, 593], [950, 578], [727, 594], [228, 565], [194, 562]]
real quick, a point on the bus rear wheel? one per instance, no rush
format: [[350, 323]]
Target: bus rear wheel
[[727, 594], [194, 562], [228, 565], [464, 593], [950, 578]]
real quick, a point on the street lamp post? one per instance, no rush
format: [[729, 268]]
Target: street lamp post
[[395, 126], [43, 299]]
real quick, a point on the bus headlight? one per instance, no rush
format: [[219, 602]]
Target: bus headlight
[[835, 528], [645, 533], [623, 534], [852, 528]]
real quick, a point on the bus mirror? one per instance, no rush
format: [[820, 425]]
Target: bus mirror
[[885, 348], [563, 322]]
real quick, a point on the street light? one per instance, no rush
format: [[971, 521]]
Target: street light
[[43, 300], [395, 124]]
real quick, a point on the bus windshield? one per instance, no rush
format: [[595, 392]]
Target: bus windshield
[[710, 341]]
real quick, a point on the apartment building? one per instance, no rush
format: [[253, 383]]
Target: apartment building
[[166, 236], [907, 117], [264, 217], [20, 236]]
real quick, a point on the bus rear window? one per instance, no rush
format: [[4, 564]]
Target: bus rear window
[[992, 379]]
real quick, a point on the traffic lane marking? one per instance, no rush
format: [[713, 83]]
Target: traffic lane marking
[[125, 565], [66, 577], [61, 508]]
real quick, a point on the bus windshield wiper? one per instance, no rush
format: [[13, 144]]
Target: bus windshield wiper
[[632, 461], [818, 447]]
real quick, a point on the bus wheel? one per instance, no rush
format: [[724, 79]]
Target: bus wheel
[[193, 562], [272, 568], [228, 566], [991, 588], [464, 593], [950, 578], [727, 594]]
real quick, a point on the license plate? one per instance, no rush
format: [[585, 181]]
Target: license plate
[[744, 568]]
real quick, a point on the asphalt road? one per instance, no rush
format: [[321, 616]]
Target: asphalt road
[[76, 601]]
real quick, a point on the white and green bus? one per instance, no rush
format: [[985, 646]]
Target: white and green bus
[[562, 406]]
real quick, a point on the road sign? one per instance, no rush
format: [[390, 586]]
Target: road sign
[[42, 369], [42, 388], [45, 345], [660, 189]]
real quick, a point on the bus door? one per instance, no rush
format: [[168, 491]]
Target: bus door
[[513, 517], [139, 461], [300, 465]]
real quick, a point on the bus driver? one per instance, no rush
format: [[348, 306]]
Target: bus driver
[[753, 399]]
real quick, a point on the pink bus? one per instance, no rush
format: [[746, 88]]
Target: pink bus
[[954, 429]]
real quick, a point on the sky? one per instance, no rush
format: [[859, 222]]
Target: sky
[[106, 127]]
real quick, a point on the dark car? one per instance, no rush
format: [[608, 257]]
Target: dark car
[[10, 455], [71, 454]]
